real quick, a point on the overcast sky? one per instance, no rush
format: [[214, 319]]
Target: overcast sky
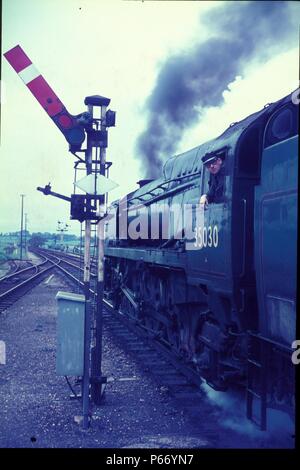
[[116, 49]]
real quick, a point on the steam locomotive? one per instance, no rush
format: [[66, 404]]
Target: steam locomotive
[[222, 294]]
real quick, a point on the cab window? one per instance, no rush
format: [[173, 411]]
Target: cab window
[[282, 126]]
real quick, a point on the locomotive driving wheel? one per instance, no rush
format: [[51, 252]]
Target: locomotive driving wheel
[[173, 330], [126, 306], [135, 293], [151, 290], [113, 282]]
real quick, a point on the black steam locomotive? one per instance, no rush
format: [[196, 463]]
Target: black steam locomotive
[[218, 285]]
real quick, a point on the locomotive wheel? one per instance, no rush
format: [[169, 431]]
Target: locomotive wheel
[[152, 324], [151, 290], [183, 331], [126, 306], [173, 331], [135, 288], [113, 278]]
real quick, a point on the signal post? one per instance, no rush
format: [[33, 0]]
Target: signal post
[[92, 209], [89, 208]]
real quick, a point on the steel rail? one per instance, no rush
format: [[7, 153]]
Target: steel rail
[[7, 294]]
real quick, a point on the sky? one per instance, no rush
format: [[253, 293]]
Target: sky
[[229, 63]]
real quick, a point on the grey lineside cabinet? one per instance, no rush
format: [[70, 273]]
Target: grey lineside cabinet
[[70, 334]]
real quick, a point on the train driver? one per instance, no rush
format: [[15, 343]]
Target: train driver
[[215, 166]]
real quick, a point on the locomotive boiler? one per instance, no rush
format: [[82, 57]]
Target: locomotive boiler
[[218, 286]]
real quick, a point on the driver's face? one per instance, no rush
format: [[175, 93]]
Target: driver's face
[[214, 166]]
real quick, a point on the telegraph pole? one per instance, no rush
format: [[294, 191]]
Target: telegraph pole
[[25, 235], [21, 233]]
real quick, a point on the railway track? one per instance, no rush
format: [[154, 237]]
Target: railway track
[[70, 264], [169, 370], [77, 259], [15, 285], [14, 266]]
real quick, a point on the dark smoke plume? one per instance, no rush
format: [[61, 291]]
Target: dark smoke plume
[[191, 81]]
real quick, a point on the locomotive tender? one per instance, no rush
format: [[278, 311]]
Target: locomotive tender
[[222, 294]]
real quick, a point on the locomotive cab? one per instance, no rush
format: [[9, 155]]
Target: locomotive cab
[[276, 227]]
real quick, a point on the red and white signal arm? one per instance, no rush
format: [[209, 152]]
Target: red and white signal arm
[[67, 123]]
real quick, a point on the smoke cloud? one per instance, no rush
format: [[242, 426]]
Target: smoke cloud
[[196, 79]]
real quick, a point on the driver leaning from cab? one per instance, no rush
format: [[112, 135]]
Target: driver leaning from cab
[[215, 166]]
